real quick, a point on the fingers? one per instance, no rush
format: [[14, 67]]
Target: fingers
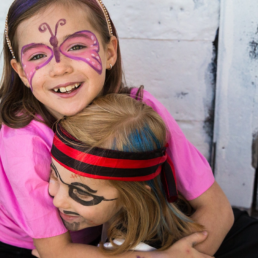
[[196, 238], [35, 253]]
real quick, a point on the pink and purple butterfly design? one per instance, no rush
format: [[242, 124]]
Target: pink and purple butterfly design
[[80, 46]]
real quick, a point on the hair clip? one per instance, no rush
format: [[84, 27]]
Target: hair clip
[[104, 9], [7, 37]]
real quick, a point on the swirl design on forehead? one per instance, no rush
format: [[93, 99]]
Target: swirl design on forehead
[[53, 40]]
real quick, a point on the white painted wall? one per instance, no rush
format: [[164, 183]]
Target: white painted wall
[[4, 6], [167, 46], [236, 100]]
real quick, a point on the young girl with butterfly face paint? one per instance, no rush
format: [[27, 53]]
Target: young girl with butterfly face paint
[[60, 55]]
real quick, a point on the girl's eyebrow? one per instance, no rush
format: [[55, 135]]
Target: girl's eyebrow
[[74, 183], [76, 34], [31, 46]]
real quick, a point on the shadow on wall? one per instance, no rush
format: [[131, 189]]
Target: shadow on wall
[[255, 165], [208, 125]]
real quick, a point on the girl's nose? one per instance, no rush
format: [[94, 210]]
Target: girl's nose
[[61, 68]]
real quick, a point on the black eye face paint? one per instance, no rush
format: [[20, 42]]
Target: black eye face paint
[[75, 226], [75, 192]]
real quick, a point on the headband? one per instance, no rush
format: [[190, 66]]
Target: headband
[[108, 164], [101, 5]]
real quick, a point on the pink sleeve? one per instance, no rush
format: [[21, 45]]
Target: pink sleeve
[[26, 162], [194, 175]]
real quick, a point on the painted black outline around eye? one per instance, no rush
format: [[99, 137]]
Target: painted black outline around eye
[[96, 199]]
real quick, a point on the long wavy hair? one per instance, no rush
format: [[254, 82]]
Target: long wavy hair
[[18, 106], [119, 122]]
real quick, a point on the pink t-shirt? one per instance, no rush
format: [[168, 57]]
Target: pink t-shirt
[[193, 172], [26, 209]]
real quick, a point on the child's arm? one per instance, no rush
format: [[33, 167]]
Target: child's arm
[[61, 247], [214, 212]]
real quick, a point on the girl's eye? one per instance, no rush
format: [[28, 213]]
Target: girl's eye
[[76, 47], [82, 195], [53, 175], [37, 57]]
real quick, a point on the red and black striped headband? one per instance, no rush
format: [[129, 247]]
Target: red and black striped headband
[[109, 164]]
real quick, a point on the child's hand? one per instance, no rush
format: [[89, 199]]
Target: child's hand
[[184, 248], [35, 253]]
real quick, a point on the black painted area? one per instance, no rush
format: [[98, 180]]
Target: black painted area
[[253, 54], [181, 95], [255, 165], [208, 124]]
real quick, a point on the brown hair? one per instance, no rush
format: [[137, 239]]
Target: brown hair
[[18, 106], [122, 123]]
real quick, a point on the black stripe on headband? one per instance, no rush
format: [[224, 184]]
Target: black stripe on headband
[[100, 170]]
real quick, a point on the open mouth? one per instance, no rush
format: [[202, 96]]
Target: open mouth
[[68, 217], [68, 89]]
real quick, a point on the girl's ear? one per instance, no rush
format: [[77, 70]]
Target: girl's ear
[[111, 53], [18, 69]]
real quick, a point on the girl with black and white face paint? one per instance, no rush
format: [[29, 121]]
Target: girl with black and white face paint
[[111, 174], [118, 173]]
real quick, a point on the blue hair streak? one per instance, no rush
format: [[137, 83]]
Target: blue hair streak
[[145, 140]]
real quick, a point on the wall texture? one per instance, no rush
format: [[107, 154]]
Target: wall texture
[[4, 6], [237, 100]]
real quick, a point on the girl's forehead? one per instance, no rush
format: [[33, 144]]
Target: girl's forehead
[[77, 19], [69, 177]]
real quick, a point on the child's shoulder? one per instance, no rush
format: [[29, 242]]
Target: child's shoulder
[[35, 129]]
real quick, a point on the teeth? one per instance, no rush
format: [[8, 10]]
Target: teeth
[[68, 89]]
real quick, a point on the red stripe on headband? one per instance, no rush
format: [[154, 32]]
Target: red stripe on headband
[[105, 162], [94, 176]]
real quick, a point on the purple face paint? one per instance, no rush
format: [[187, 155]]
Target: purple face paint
[[83, 46], [53, 40], [34, 57], [80, 46]]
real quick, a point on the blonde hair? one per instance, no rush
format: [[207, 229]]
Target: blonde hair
[[119, 122]]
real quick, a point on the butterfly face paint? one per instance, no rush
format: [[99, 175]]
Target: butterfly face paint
[[79, 190], [83, 46], [80, 46], [53, 40], [34, 57]]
